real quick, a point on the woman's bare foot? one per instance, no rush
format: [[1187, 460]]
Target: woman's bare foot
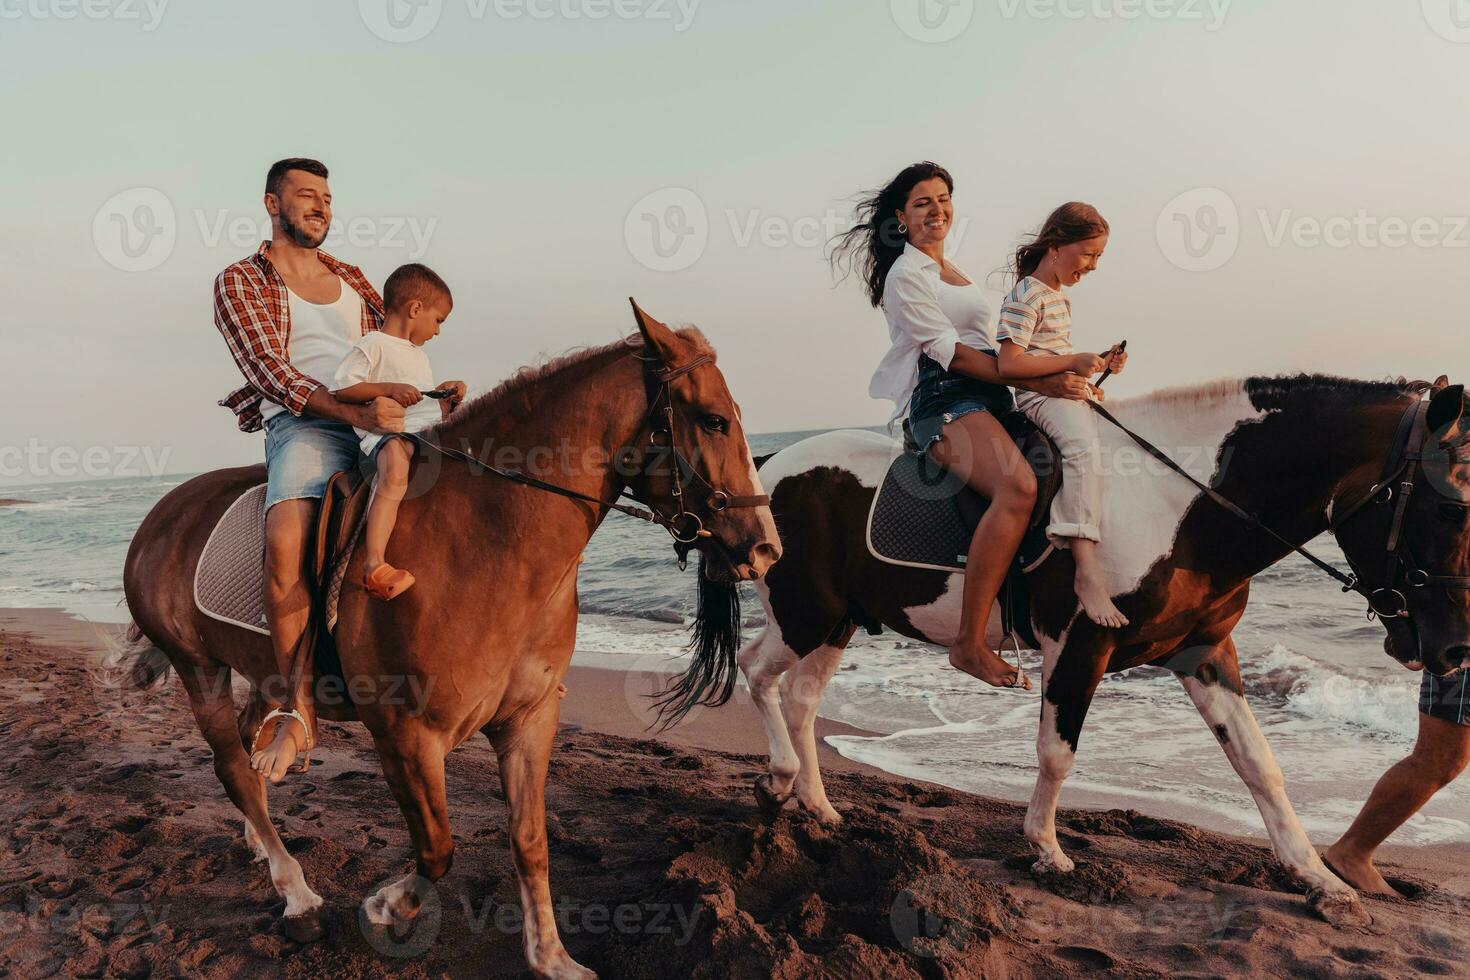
[[1358, 870], [274, 760], [988, 666], [1097, 603]]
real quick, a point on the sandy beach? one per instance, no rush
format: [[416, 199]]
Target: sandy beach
[[122, 857]]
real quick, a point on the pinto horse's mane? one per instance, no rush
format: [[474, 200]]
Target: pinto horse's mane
[[532, 376], [1271, 392]]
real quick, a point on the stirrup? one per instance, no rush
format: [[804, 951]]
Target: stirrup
[[275, 713], [1022, 681]]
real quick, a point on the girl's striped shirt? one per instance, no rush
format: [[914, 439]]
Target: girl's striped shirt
[[1036, 317]]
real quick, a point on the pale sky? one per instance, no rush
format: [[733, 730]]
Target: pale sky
[[527, 149]]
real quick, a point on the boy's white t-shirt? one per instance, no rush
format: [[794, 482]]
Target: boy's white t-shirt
[[381, 358]]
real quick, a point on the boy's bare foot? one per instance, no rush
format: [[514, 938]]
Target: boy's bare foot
[[274, 760], [988, 666], [1097, 603], [386, 582], [1358, 871]]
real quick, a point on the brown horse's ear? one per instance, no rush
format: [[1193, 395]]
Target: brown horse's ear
[[1442, 382], [659, 338], [1446, 409]]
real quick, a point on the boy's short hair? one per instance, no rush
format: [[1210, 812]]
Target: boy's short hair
[[277, 172], [414, 281]]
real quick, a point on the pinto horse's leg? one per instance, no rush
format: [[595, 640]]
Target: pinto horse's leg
[[1215, 690], [413, 762], [214, 710], [763, 661], [1066, 694], [801, 694], [524, 750]]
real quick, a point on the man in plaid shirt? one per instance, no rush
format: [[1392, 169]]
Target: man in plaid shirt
[[290, 313]]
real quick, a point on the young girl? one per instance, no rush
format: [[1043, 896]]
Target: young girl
[[391, 363], [1035, 336]]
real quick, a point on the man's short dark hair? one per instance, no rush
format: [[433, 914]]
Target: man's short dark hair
[[277, 172], [414, 282]]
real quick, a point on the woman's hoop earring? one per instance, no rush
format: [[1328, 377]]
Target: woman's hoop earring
[[903, 229]]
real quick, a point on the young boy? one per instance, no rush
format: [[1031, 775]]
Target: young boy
[[391, 363]]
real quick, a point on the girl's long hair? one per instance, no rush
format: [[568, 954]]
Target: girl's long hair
[[1072, 222], [875, 242]]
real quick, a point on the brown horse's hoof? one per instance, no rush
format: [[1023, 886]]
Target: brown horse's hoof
[[768, 802], [306, 928]]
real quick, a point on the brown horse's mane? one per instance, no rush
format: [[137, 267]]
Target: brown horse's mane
[[533, 376]]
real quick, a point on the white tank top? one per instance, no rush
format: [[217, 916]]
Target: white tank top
[[966, 308], [321, 336]]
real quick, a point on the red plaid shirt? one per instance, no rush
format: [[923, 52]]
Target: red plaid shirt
[[252, 310]]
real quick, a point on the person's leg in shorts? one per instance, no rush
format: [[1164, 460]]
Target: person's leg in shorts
[[301, 456], [1440, 755]]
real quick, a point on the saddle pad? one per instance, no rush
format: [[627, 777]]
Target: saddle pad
[[918, 519], [229, 584]]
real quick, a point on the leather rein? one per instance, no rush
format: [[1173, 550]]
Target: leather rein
[[1403, 464], [685, 526]]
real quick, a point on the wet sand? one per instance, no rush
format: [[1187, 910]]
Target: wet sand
[[121, 856]]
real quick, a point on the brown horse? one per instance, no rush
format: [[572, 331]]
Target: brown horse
[[483, 640]]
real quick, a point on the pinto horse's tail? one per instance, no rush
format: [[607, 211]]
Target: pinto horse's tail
[[710, 679]]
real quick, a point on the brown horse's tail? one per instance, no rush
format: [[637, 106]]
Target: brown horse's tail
[[710, 679], [136, 661]]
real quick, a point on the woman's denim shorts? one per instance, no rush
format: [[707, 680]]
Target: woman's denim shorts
[[302, 453], [942, 396]]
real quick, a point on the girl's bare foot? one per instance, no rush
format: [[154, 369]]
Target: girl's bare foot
[[1097, 603], [988, 666]]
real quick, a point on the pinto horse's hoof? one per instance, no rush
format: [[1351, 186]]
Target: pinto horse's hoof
[[1341, 909], [769, 803], [306, 928]]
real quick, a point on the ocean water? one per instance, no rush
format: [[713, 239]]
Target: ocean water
[[1335, 709]]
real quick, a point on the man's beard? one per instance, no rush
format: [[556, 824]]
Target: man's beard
[[300, 235]]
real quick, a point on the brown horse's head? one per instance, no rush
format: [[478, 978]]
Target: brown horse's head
[[739, 542], [1435, 541]]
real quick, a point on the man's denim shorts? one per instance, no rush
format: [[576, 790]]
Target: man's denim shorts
[[302, 453]]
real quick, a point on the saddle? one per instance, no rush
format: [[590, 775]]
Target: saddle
[[229, 583], [925, 517]]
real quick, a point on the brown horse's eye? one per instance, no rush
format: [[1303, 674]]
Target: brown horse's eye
[[716, 423]]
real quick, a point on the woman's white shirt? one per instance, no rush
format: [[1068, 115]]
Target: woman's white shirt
[[926, 316]]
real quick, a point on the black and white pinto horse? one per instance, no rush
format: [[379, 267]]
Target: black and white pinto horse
[[1291, 451]]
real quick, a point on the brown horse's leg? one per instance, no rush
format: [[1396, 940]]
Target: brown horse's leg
[[413, 762], [524, 750], [214, 710]]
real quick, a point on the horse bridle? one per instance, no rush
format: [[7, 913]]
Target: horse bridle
[[1387, 601], [685, 527]]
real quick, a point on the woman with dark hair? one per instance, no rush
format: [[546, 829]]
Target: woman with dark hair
[[943, 377]]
